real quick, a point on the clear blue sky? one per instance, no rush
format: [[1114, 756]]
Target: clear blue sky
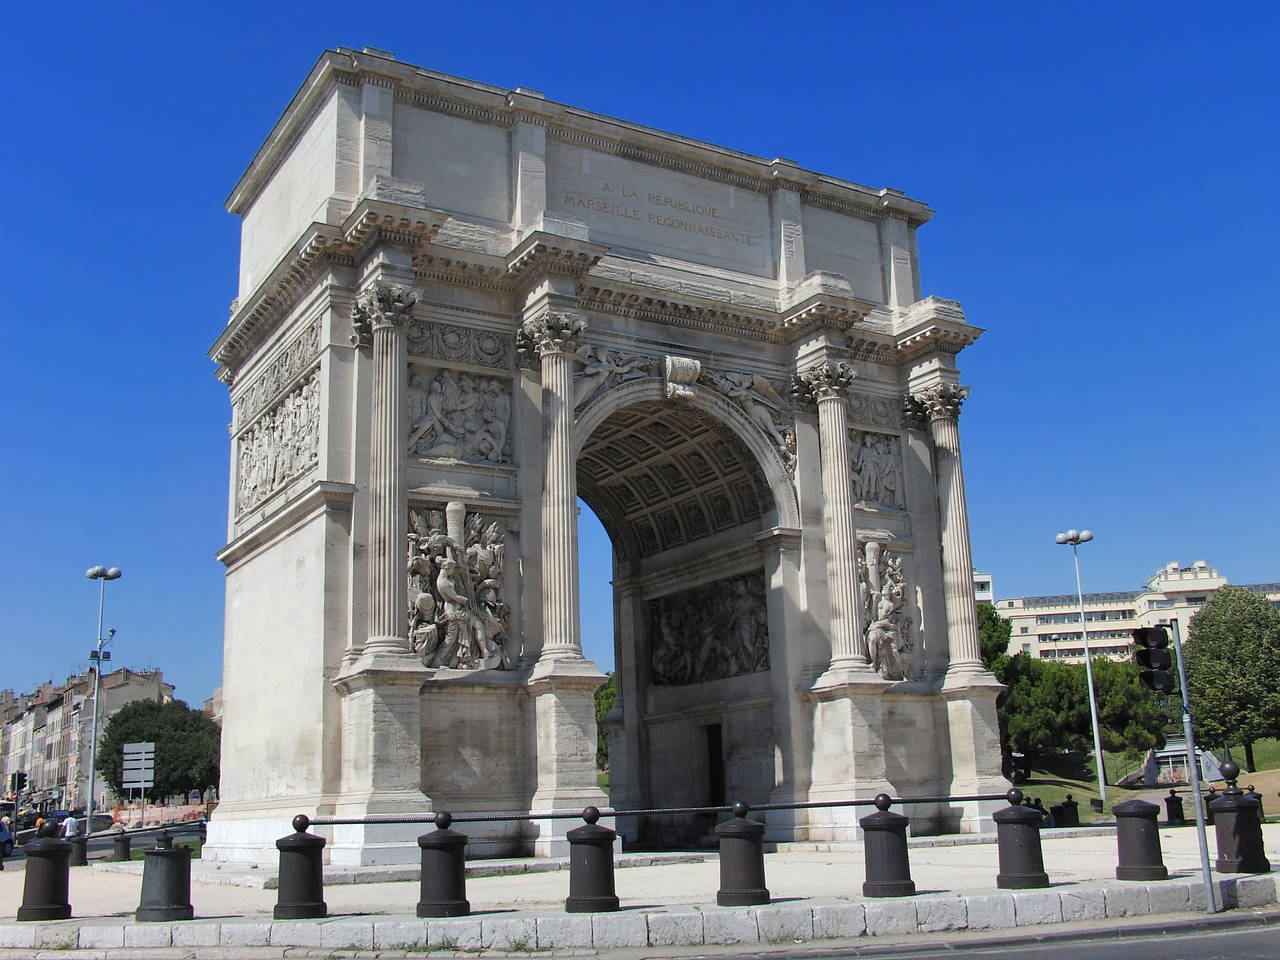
[[1105, 177]]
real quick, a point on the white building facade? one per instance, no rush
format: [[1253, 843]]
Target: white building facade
[[1048, 628]]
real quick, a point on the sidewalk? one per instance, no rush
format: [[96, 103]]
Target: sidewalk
[[666, 902]]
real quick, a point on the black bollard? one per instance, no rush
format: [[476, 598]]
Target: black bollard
[[120, 847], [443, 880], [1251, 792], [741, 861], [1138, 840], [44, 890], [1238, 828], [1173, 809], [1208, 806], [884, 850], [301, 893], [166, 882], [590, 867], [1055, 814], [79, 851], [1018, 845], [1070, 813]]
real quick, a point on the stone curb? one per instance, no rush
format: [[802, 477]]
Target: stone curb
[[683, 926]]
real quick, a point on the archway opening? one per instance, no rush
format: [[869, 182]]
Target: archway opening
[[680, 502]]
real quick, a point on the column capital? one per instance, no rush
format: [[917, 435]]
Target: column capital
[[826, 381], [380, 304], [550, 332], [939, 402]]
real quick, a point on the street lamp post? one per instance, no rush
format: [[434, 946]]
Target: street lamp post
[[1075, 538], [102, 575]]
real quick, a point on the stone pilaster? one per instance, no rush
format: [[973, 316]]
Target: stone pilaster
[[941, 406], [827, 385], [380, 313], [553, 338]]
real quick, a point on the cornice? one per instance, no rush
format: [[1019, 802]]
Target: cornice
[[679, 310], [933, 325], [370, 222], [320, 495], [297, 271], [542, 254]]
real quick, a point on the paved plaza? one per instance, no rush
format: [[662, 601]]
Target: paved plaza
[[667, 902]]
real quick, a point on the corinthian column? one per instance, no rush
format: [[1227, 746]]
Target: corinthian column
[[827, 385], [941, 405], [381, 311], [553, 338]]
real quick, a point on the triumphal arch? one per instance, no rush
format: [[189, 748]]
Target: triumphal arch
[[460, 309]]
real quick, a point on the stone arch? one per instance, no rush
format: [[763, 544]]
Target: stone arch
[[764, 456]]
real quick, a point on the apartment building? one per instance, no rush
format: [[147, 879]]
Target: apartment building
[[1049, 627], [48, 734]]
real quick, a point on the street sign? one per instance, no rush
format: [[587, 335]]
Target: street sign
[[139, 766]]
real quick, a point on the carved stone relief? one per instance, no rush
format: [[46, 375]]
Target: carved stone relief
[[876, 461], [457, 615], [281, 446], [602, 368], [461, 416], [284, 369], [447, 341], [681, 375], [871, 411], [711, 632], [882, 588], [761, 401]]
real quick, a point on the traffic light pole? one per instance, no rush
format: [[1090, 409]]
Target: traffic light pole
[[1193, 768]]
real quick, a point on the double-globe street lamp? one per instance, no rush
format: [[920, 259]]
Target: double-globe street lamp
[[102, 575], [1075, 538]]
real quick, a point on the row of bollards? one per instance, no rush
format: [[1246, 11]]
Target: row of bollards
[[166, 881], [166, 878]]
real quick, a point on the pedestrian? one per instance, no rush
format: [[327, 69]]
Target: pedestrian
[[70, 827]]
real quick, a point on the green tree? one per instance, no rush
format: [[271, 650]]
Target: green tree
[[1045, 711], [187, 746], [993, 635], [1233, 670], [605, 694], [1130, 720]]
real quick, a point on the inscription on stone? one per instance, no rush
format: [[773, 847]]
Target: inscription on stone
[[666, 210]]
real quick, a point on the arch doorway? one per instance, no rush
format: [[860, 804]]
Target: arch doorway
[[689, 511]]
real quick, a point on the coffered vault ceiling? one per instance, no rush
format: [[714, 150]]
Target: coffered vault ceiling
[[660, 476]]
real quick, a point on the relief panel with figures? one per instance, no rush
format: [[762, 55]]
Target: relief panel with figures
[[711, 632]]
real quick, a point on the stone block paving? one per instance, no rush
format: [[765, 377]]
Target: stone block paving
[[664, 906]]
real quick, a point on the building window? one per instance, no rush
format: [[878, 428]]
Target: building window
[[1026, 648], [1022, 629]]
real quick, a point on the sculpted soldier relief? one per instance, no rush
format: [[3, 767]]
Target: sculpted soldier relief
[[457, 617], [711, 632], [282, 445], [461, 416], [877, 469], [882, 589]]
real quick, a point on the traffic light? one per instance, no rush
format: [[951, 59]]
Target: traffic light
[[19, 781], [1153, 657]]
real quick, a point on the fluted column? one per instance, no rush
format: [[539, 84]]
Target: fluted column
[[553, 338], [827, 385], [941, 405], [380, 313]]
